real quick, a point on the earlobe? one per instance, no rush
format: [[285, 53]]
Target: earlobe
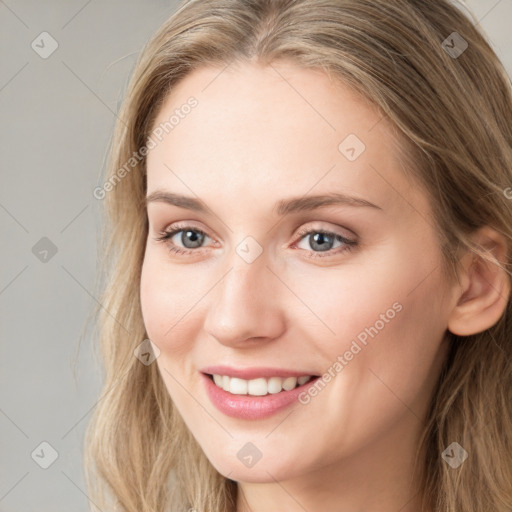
[[485, 290]]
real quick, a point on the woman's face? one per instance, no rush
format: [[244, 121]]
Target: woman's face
[[359, 302]]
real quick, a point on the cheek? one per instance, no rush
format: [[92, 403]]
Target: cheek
[[346, 303], [383, 360], [406, 354], [394, 346], [164, 304], [154, 301], [377, 328], [165, 301], [390, 303]]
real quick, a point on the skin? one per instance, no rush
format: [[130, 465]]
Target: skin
[[259, 135]]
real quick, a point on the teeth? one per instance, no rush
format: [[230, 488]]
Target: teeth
[[289, 383], [274, 385], [257, 387], [303, 380], [260, 386], [237, 386]]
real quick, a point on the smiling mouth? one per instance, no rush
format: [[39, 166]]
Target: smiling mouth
[[259, 386]]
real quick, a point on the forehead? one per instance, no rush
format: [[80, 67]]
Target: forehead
[[274, 131]]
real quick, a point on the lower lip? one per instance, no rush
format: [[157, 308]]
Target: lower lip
[[250, 407]]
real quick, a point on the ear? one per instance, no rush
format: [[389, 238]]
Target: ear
[[485, 287]]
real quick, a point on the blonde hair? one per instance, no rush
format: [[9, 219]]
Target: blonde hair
[[454, 115]]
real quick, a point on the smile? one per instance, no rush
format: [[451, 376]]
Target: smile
[[259, 386], [256, 397]]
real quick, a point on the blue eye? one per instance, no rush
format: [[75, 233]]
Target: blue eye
[[321, 241], [324, 240], [190, 235]]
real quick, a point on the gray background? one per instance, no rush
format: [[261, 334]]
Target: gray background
[[57, 114]]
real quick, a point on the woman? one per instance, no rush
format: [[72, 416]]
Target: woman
[[307, 294]]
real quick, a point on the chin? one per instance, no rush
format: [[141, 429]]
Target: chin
[[263, 471], [255, 475]]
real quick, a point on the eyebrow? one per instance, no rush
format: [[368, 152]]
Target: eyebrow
[[283, 207]]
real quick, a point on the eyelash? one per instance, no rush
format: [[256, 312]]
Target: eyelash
[[164, 236]]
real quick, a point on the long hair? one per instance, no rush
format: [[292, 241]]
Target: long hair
[[450, 100]]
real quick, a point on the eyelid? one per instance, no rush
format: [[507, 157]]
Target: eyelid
[[183, 226], [347, 235], [179, 226], [349, 242], [175, 228]]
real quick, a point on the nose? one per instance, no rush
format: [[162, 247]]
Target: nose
[[245, 305]]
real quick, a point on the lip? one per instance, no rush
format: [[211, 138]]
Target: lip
[[253, 372], [252, 407]]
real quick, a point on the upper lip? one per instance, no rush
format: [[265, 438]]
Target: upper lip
[[253, 372]]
